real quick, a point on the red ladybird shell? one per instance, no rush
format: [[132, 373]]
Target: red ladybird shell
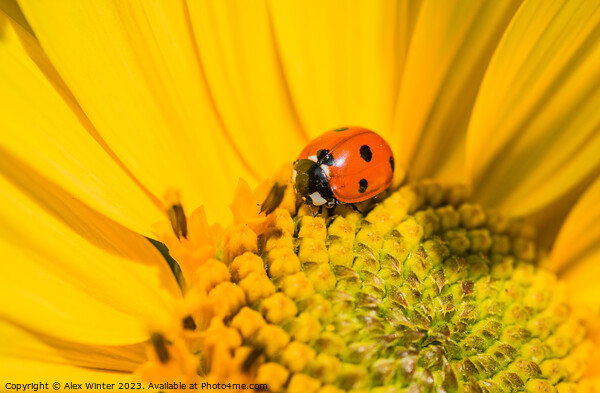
[[363, 162]]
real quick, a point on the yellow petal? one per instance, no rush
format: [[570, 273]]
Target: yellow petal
[[72, 273], [582, 279], [533, 137], [42, 124], [343, 59], [11, 8], [19, 344], [240, 59], [451, 46], [576, 256], [134, 68], [579, 236]]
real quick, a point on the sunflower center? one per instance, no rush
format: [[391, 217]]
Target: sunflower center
[[424, 292]]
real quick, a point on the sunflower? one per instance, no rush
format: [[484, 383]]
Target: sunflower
[[128, 125]]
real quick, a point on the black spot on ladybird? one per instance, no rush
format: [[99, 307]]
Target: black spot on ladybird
[[392, 164], [340, 129], [324, 157], [365, 153], [362, 185], [321, 154]]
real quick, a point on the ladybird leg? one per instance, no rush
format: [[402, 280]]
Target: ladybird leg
[[318, 211], [353, 206]]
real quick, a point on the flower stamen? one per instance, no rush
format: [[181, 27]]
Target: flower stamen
[[178, 220], [176, 214], [160, 346], [189, 323], [274, 198]]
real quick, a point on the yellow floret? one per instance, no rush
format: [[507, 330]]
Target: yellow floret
[[226, 298], [340, 252], [219, 335], [238, 240], [312, 227], [245, 264], [429, 220], [297, 286], [312, 250], [278, 308], [283, 220], [398, 204], [540, 386], [318, 307], [273, 338], [471, 216], [320, 276], [370, 237], [274, 238], [325, 367], [210, 274], [297, 356], [257, 286], [248, 322], [411, 231], [305, 328], [282, 261], [342, 228], [301, 383], [274, 375], [381, 218]]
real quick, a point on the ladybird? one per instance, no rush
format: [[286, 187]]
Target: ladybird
[[345, 165]]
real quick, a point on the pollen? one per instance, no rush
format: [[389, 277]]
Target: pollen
[[423, 291]]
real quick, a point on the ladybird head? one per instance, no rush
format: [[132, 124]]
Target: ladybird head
[[311, 184]]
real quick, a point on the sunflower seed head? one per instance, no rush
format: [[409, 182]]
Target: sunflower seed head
[[424, 293]]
